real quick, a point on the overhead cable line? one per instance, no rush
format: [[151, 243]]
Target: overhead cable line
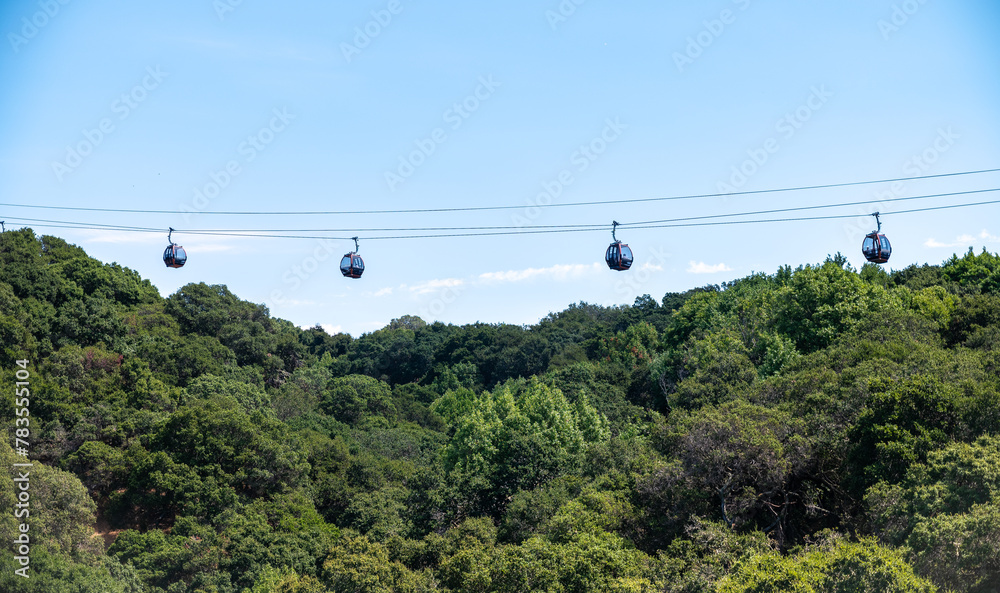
[[536, 231], [810, 218], [91, 225], [819, 207], [641, 224], [517, 207]]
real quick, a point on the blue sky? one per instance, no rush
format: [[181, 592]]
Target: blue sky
[[294, 107]]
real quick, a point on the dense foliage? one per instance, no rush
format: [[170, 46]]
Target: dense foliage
[[818, 429]]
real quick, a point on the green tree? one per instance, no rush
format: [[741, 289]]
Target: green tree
[[838, 567], [272, 580], [250, 397], [822, 302], [902, 423], [160, 559], [947, 513], [518, 437], [253, 453], [714, 369], [357, 565], [746, 457], [356, 397], [975, 273], [60, 513], [52, 572]]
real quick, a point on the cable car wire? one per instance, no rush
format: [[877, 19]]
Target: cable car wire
[[73, 224], [641, 224], [819, 207], [539, 231], [487, 208]]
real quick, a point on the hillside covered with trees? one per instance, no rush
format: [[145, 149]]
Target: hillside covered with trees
[[816, 429]]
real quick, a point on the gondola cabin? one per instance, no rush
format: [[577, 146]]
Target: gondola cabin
[[175, 256], [352, 266], [619, 256], [876, 248]]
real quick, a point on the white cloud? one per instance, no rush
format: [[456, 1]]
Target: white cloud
[[384, 292], [432, 285], [964, 240], [560, 273], [703, 268], [297, 303], [327, 327], [193, 245], [94, 236]]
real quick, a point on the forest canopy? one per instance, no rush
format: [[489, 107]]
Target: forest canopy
[[816, 429]]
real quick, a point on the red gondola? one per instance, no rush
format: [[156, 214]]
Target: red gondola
[[352, 266], [174, 255], [619, 256], [876, 247]]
